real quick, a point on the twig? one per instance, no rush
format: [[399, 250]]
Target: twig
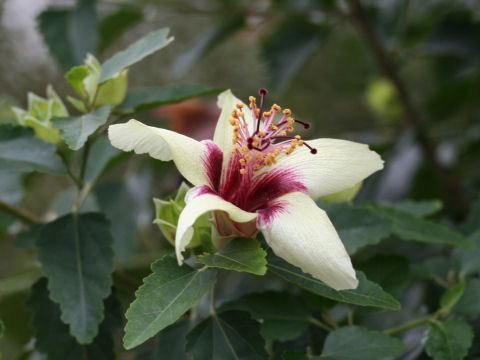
[[453, 191], [410, 324], [18, 213]]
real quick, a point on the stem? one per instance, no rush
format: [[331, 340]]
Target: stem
[[410, 324], [72, 176], [83, 167], [320, 324], [21, 214], [212, 301], [450, 183]]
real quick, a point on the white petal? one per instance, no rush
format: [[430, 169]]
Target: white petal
[[197, 205], [337, 165], [163, 145], [301, 233], [224, 131]]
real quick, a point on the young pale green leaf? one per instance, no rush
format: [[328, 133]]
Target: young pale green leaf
[[466, 260], [282, 316], [165, 295], [76, 130], [418, 208], [451, 298], [241, 254], [142, 48], [448, 340], [231, 335], [356, 226], [99, 157], [469, 304], [21, 152], [366, 294], [77, 258], [410, 227], [357, 343], [391, 272], [146, 99], [169, 343], [52, 336]]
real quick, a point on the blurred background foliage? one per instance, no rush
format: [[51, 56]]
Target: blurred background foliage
[[401, 75]]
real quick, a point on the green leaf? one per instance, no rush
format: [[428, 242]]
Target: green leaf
[[366, 294], [409, 227], [282, 316], [28, 238], [448, 340], [146, 99], [470, 225], [451, 297], [391, 272], [241, 254], [466, 260], [70, 34], [142, 48], [169, 343], [114, 25], [469, 304], [101, 154], [76, 130], [289, 47], [356, 226], [229, 335], [290, 355], [77, 258], [418, 208], [21, 152], [2, 329], [165, 295], [208, 41], [52, 336], [357, 343]]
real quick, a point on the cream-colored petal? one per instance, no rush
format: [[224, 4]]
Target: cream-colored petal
[[197, 205], [224, 131], [337, 165], [163, 145], [301, 233]]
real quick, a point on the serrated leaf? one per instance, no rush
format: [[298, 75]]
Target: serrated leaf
[[356, 226], [70, 33], [21, 152], [228, 335], [410, 227], [146, 99], [466, 260], [366, 294], [391, 272], [114, 25], [448, 340], [469, 304], [169, 343], [282, 316], [142, 48], [100, 156], [77, 258], [418, 208], [357, 343], [76, 129], [52, 336], [451, 297], [165, 295], [241, 254]]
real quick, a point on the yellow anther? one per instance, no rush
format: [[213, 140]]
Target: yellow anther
[[283, 133], [276, 107], [267, 113], [234, 149], [239, 106], [261, 133], [298, 137], [231, 120], [248, 158], [240, 114], [242, 162], [256, 167], [290, 121], [287, 111], [242, 171], [252, 99], [236, 128], [257, 111], [290, 128], [273, 127], [256, 138], [300, 142], [244, 150], [259, 156]]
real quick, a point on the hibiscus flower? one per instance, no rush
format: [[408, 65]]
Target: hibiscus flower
[[256, 176]]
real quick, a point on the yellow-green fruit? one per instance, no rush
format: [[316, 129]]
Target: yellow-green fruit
[[344, 195], [383, 101]]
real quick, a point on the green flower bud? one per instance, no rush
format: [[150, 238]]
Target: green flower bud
[[344, 195]]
